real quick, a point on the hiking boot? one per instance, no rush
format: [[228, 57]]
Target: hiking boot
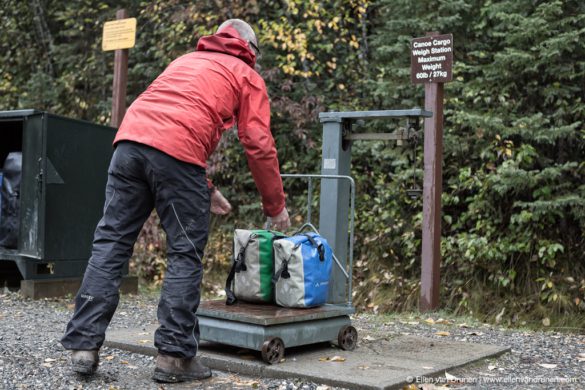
[[84, 362], [172, 369]]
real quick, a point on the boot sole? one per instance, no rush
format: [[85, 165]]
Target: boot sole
[[83, 369], [165, 377]]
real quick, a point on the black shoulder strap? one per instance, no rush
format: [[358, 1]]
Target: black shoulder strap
[[230, 296], [277, 235]]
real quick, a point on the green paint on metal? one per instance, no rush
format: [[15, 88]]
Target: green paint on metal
[[64, 172]]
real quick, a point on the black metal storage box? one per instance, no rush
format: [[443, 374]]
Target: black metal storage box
[[64, 172]]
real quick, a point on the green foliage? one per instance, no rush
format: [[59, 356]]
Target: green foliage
[[513, 173], [514, 192]]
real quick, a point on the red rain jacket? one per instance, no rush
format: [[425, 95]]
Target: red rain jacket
[[184, 112]]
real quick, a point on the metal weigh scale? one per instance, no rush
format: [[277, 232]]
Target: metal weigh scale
[[270, 328]]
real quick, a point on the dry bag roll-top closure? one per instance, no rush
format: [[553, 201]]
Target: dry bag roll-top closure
[[269, 267]]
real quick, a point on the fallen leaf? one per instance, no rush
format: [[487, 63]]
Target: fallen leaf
[[49, 360], [247, 357], [123, 362], [546, 321], [463, 325], [443, 333], [413, 323], [144, 341], [491, 368], [109, 357], [71, 306], [430, 321], [475, 333], [241, 383], [332, 359], [547, 365], [48, 365], [500, 315], [132, 367], [368, 338], [142, 334], [442, 321]]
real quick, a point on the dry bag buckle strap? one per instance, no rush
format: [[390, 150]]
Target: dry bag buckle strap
[[240, 260], [320, 247], [238, 265], [283, 270]]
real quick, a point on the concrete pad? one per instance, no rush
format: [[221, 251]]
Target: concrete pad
[[50, 288], [379, 364]]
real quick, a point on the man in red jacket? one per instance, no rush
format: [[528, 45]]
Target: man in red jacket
[[159, 162]]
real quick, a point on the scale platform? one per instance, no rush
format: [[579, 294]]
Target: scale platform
[[270, 328]]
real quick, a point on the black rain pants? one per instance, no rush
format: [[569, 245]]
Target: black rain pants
[[141, 178]]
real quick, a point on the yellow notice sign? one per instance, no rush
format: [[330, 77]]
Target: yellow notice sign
[[119, 34]]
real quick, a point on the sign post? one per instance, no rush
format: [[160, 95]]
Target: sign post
[[431, 65], [119, 35]]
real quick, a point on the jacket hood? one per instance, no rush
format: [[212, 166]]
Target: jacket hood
[[228, 41]]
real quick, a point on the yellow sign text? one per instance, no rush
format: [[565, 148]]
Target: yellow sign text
[[119, 34]]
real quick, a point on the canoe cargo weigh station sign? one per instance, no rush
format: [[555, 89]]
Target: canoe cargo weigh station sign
[[119, 34], [431, 59]]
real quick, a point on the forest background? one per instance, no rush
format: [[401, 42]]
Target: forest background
[[513, 241]]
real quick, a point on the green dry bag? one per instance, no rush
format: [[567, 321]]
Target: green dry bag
[[250, 278]]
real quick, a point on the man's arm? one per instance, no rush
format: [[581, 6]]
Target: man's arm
[[254, 134]]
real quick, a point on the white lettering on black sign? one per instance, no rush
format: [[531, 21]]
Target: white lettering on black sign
[[431, 59]]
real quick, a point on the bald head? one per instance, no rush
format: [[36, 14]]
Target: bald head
[[244, 29]]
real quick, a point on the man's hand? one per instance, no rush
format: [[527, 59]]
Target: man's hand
[[279, 222], [219, 204]]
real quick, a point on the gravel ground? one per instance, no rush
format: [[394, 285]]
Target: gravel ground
[[31, 356], [538, 360]]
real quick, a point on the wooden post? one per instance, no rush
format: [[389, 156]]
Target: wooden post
[[432, 189], [432, 65], [120, 80]]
